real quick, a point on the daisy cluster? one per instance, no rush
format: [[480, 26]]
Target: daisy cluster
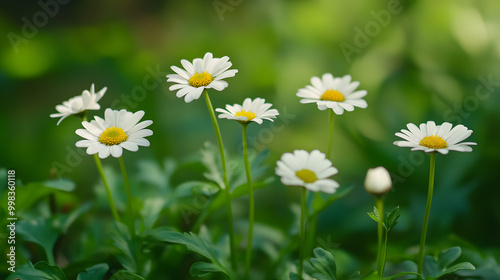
[[109, 136], [121, 130]]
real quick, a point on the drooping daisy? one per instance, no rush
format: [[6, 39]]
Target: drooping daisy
[[251, 111], [337, 94], [202, 74], [117, 131], [310, 170], [435, 138], [79, 104]]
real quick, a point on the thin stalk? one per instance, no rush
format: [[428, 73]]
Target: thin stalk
[[311, 234], [104, 181], [106, 187], [330, 134], [427, 212], [302, 231], [251, 207], [380, 254], [130, 205], [384, 252], [225, 178]]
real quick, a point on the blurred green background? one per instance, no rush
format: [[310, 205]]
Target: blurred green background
[[418, 60]]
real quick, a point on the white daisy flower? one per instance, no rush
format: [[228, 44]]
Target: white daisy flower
[[310, 170], [117, 131], [337, 94], [435, 138], [200, 75], [251, 111], [79, 104]]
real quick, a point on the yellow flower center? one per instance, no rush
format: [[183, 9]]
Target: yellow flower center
[[112, 136], [200, 79], [433, 142], [306, 175], [250, 116], [332, 95]]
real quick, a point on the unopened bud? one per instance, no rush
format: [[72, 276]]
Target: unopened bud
[[378, 181]]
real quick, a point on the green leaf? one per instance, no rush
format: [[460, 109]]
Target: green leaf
[[125, 275], [200, 246], [29, 194], [401, 274], [66, 221], [151, 211], [323, 266], [60, 184], [392, 219], [220, 200], [96, 272], [374, 214], [202, 269], [42, 271], [458, 267], [447, 257], [45, 231], [438, 268], [52, 270], [123, 242], [41, 231]]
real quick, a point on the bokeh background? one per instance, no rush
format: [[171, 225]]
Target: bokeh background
[[419, 60]]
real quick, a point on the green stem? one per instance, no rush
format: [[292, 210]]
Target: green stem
[[302, 231], [384, 252], [330, 135], [226, 181], [380, 254], [130, 205], [106, 187], [311, 234], [251, 206], [427, 212], [50, 257]]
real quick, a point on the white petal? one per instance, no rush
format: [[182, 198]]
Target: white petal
[[181, 72], [188, 66], [328, 172], [194, 94], [104, 153], [337, 109], [86, 134], [133, 120], [116, 151], [84, 143], [133, 147], [416, 131], [96, 148], [139, 141], [140, 126], [141, 133]]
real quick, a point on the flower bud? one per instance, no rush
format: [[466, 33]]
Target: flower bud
[[378, 181]]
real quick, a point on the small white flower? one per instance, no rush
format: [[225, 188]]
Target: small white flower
[[202, 74], [79, 104], [378, 181], [117, 131], [337, 94], [251, 111], [310, 170], [435, 138]]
